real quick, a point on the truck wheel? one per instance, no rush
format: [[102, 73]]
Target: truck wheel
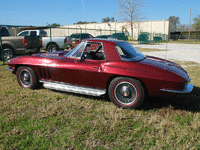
[[8, 54], [26, 77], [52, 48], [126, 92], [38, 50]]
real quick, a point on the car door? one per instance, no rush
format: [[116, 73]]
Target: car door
[[32, 40], [90, 73], [82, 72]]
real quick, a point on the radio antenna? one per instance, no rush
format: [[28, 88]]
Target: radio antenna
[[166, 55]]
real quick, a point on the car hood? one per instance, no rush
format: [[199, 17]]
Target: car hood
[[166, 65], [39, 59], [56, 54]]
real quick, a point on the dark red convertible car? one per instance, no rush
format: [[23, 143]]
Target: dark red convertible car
[[96, 67]]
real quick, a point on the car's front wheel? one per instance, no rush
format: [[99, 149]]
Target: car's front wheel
[[8, 54], [126, 92], [26, 77]]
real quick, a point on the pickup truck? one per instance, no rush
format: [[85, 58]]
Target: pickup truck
[[74, 39], [54, 44], [14, 45]]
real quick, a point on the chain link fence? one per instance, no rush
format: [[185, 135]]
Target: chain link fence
[[61, 31], [193, 35]]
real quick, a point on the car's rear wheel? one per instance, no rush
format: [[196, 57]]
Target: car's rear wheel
[[26, 77], [126, 92], [52, 48]]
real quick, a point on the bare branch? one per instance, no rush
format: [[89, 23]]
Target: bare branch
[[130, 10]]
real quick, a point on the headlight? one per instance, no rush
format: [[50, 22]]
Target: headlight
[[9, 60]]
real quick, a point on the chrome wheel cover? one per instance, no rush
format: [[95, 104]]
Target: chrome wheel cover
[[25, 78], [125, 93], [7, 55], [53, 49]]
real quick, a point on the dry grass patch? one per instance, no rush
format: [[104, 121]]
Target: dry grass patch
[[184, 42], [147, 49], [46, 119]]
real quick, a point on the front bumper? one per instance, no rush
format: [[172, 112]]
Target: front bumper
[[10, 69], [187, 89]]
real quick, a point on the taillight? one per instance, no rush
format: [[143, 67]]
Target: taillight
[[24, 42]]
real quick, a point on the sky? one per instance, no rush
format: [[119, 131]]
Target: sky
[[67, 12]]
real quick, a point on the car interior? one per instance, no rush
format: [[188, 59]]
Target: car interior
[[94, 51]]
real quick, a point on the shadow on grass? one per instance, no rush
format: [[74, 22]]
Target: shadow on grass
[[187, 102]]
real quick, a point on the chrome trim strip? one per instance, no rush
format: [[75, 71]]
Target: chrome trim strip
[[187, 89], [9, 69], [73, 88]]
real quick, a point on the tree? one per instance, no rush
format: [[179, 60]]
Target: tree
[[130, 10], [108, 19], [81, 22], [55, 25], [196, 24], [182, 27], [174, 20], [93, 22]]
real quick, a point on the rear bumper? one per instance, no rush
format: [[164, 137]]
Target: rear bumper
[[187, 89]]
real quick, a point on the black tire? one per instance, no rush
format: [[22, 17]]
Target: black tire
[[38, 50], [26, 77], [8, 54], [126, 92], [52, 48]]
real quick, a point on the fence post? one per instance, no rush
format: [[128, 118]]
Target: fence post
[[80, 28], [1, 49], [100, 31], [50, 37], [81, 31]]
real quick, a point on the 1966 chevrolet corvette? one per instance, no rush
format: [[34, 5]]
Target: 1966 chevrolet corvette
[[96, 67]]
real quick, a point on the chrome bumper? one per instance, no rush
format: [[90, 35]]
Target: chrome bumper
[[187, 89]]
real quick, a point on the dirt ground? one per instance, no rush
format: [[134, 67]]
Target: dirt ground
[[171, 51]]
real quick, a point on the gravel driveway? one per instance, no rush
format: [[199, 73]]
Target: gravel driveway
[[182, 52]]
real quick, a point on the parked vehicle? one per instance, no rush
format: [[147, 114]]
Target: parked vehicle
[[114, 67], [4, 31], [119, 36], [143, 38], [102, 36], [13, 45], [50, 44], [74, 39]]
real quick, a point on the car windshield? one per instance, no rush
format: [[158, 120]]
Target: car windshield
[[128, 53], [76, 51], [75, 36]]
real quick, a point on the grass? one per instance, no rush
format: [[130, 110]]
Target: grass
[[147, 49], [184, 42], [170, 41], [45, 119]]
